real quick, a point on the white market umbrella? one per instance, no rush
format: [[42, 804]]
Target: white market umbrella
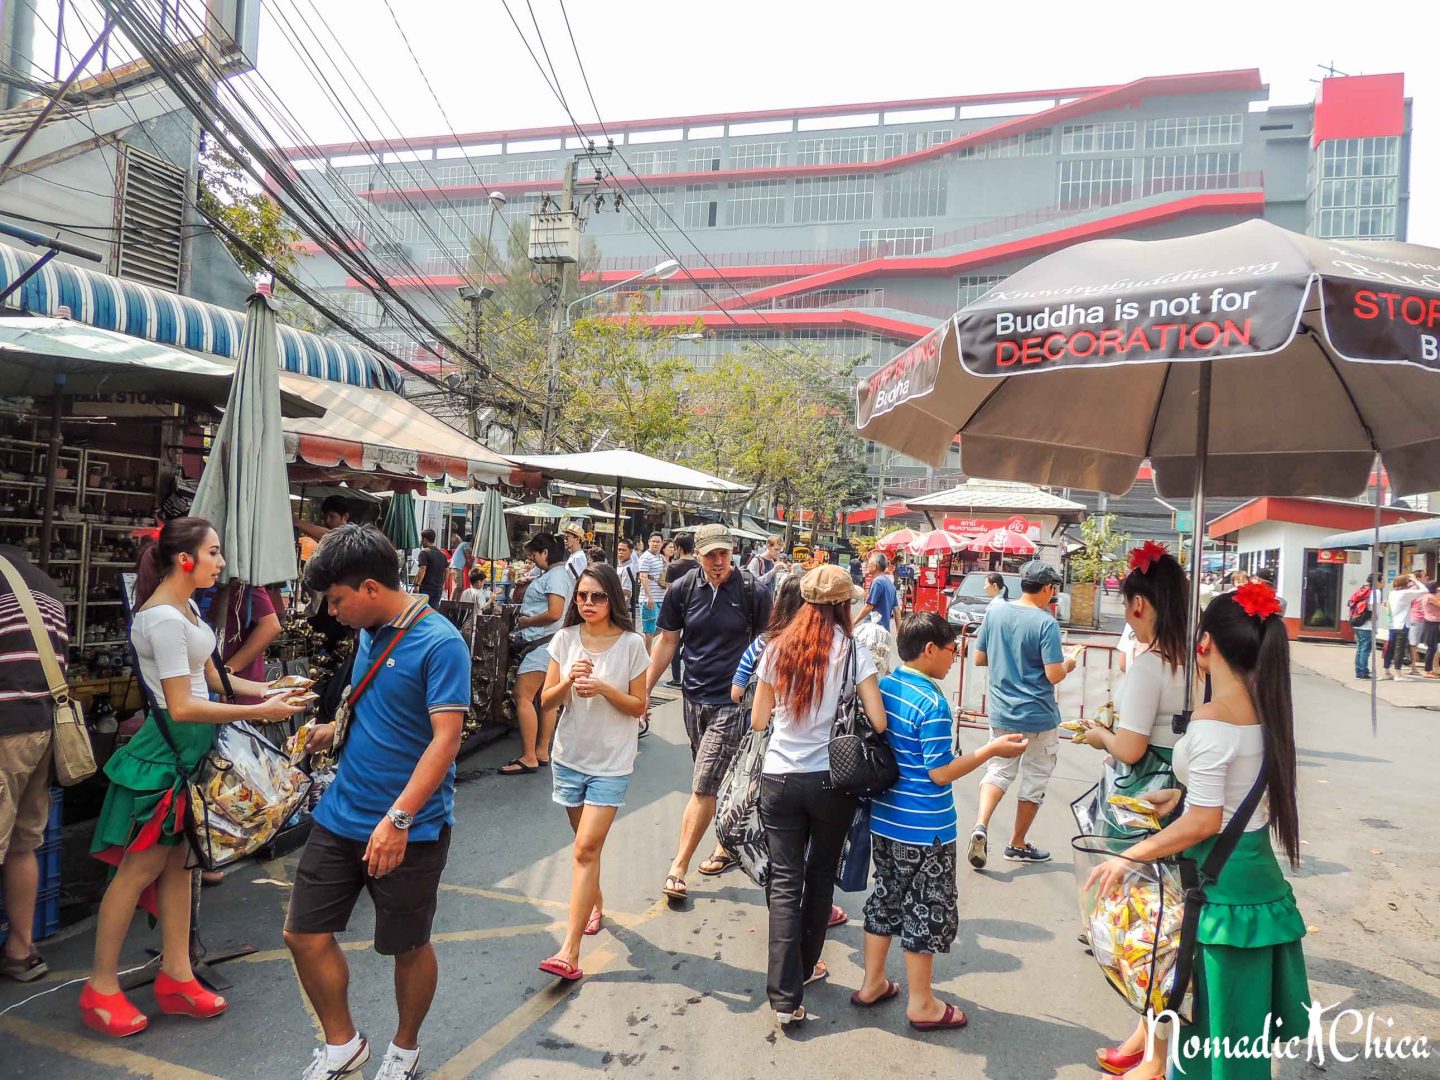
[[245, 491]]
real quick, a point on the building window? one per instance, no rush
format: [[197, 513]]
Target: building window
[[404, 226], [652, 162], [1039, 143], [356, 180], [462, 218], [531, 169], [1358, 193], [834, 198], [757, 202], [908, 142], [915, 241], [703, 159], [841, 150], [446, 260], [915, 193], [1098, 138], [702, 206], [757, 155], [1095, 182], [655, 208], [478, 173], [1029, 144], [970, 288], [1192, 172], [1220, 130]]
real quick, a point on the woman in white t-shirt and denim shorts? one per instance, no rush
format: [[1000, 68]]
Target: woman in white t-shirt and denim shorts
[[597, 671]]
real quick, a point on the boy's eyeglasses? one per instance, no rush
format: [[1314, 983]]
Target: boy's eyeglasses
[[592, 597]]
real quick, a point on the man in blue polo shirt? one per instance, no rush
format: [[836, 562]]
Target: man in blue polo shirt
[[882, 598], [383, 825], [713, 613]]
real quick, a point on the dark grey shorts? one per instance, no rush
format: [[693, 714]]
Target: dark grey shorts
[[715, 732], [915, 896]]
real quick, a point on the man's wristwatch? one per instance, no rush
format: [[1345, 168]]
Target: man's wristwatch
[[401, 819]]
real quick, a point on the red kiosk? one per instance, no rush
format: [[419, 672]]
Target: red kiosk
[[942, 552]]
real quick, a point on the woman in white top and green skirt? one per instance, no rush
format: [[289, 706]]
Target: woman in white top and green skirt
[[1249, 963]]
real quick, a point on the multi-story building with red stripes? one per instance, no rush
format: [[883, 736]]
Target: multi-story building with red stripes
[[851, 230]]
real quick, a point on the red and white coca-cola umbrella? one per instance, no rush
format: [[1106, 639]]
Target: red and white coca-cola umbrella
[[897, 540], [1002, 542], [938, 542]]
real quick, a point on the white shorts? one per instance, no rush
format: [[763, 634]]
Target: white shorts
[[1034, 767]]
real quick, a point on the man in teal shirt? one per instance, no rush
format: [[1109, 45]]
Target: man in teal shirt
[[1020, 643]]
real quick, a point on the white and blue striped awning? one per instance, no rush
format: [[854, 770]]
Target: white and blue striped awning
[[156, 315]]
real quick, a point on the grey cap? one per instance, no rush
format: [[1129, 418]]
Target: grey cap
[[1039, 572]]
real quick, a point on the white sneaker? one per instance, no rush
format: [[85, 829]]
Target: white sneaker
[[393, 1067], [320, 1069]]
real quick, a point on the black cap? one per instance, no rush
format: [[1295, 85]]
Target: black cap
[[1039, 572]]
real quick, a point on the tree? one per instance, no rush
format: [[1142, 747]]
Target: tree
[[1104, 551], [227, 193]]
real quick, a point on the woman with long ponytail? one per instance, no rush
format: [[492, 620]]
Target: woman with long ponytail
[[1249, 965], [140, 830]]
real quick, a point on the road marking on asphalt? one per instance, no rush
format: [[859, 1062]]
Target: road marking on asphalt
[[280, 870], [467, 1061], [107, 1053], [449, 935]]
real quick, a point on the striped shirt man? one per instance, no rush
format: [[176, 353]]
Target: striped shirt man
[[25, 704], [916, 810], [652, 563]]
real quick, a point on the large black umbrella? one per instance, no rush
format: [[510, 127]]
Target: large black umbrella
[[1243, 362]]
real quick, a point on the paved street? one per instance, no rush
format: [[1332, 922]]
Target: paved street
[[682, 991]]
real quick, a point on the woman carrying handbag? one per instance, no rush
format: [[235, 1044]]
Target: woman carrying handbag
[[141, 827], [802, 672], [1249, 965]]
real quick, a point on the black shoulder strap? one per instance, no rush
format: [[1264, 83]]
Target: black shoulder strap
[[747, 595], [690, 579], [1231, 834]]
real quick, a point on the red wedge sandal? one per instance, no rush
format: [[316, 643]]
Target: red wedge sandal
[[187, 998], [110, 1014]]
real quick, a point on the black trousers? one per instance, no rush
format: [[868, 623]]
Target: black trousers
[[1397, 649], [805, 824]]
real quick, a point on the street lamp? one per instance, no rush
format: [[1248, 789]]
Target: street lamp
[[659, 272]]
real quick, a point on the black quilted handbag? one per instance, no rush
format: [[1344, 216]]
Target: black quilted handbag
[[861, 761]]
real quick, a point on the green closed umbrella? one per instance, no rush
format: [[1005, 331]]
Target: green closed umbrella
[[492, 538], [398, 524], [244, 491]]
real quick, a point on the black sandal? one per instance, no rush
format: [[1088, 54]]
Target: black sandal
[[721, 863], [516, 768]]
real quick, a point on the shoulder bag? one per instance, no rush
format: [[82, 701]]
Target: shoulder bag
[[355, 691], [861, 761], [70, 745], [1143, 936]]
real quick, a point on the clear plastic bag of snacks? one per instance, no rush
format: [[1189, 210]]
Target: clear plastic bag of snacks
[[1095, 813], [1136, 930], [243, 793]]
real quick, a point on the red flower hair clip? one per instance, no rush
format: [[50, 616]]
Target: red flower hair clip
[[1258, 600], [1146, 556]]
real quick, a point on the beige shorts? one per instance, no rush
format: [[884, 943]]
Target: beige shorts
[[24, 791], [1033, 767]]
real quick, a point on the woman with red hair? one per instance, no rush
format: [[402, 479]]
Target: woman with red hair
[[801, 677]]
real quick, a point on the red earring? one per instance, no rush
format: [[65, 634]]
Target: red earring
[[1202, 650], [186, 563]]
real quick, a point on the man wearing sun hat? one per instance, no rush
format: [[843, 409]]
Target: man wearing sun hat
[[575, 558], [712, 614]]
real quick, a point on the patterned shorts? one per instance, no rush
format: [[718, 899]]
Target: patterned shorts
[[714, 732], [915, 897]]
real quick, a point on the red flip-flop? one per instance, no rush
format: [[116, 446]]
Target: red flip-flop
[[595, 923], [892, 989], [561, 969], [953, 1018]]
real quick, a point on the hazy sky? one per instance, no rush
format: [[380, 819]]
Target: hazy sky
[[648, 58]]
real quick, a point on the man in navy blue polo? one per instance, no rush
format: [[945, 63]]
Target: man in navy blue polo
[[383, 825], [712, 613]]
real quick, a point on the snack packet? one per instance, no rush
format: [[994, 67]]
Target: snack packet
[[1134, 813]]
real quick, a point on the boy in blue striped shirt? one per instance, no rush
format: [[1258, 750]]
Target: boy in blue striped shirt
[[912, 825]]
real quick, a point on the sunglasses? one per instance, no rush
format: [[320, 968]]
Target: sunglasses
[[592, 597]]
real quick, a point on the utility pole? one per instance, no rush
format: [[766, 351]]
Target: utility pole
[[557, 321]]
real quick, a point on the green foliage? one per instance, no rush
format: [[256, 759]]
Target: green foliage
[[226, 192], [1104, 553]]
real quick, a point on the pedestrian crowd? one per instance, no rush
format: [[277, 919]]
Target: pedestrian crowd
[[764, 652]]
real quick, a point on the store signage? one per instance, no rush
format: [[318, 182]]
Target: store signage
[[1330, 557], [966, 526], [132, 403]]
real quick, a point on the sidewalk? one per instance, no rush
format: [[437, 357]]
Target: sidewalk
[[1337, 662]]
